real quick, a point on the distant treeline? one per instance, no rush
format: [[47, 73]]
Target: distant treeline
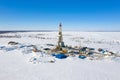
[[14, 31], [9, 36]]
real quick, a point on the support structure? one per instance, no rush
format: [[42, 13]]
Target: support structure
[[60, 39]]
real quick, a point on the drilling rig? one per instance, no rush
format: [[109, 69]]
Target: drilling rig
[[60, 43]]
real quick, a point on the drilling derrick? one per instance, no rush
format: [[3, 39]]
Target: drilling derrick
[[60, 36], [60, 39]]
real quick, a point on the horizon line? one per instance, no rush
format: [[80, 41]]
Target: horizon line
[[57, 30]]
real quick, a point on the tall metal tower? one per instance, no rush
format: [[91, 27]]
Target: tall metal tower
[[60, 40]]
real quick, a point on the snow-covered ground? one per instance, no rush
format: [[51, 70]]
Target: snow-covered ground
[[15, 60]]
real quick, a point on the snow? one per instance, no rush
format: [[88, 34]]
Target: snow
[[15, 60]]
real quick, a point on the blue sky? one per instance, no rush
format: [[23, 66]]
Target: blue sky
[[81, 15]]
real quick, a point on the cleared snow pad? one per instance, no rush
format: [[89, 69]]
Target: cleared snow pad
[[42, 58], [35, 60]]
